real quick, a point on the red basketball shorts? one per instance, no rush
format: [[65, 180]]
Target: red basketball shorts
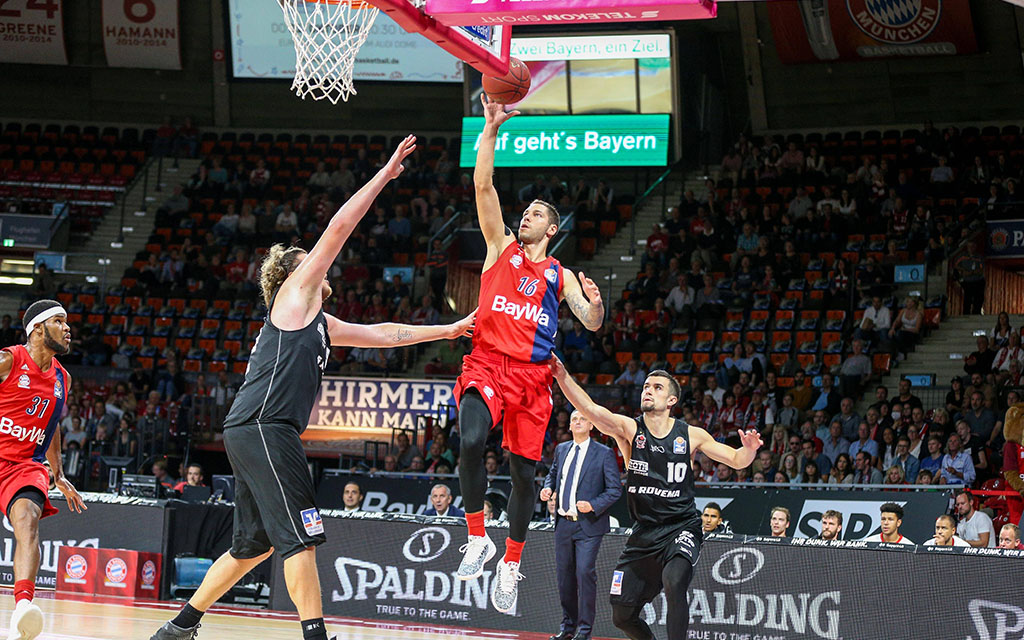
[[15, 476], [518, 394]]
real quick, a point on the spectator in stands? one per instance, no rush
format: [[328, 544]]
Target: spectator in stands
[[831, 525], [828, 398], [842, 470], [875, 325], [441, 503], [186, 140], [955, 398], [970, 271], [945, 530], [855, 371], [905, 396], [425, 314], [779, 522], [906, 328], [536, 190], [865, 443], [193, 477], [808, 454], [974, 446], [848, 418], [417, 465], [980, 361], [790, 467], [907, 463], [789, 415], [835, 444], [1006, 355], [169, 381], [632, 376], [932, 461], [866, 472], [985, 388], [173, 209], [259, 178], [8, 334], [802, 391], [982, 420], [810, 474], [74, 437], [1000, 334], [404, 451], [352, 496], [1009, 537], [974, 526], [894, 476], [956, 466]]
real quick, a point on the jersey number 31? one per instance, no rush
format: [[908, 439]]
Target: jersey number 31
[[676, 471]]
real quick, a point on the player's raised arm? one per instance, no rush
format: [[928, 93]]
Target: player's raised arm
[[389, 334], [303, 285], [735, 458], [588, 308], [619, 427], [488, 207]]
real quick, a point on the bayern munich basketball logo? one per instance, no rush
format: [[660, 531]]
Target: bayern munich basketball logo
[[116, 571], [76, 567], [999, 239], [148, 572], [896, 21]]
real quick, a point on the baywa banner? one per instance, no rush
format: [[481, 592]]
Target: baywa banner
[[110, 522], [403, 567]]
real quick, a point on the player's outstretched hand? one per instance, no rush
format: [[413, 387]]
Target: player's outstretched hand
[[751, 439], [558, 370], [545, 494], [494, 112], [394, 167], [75, 502], [463, 327], [592, 291]]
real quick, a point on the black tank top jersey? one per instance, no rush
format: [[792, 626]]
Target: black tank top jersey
[[659, 483], [283, 377]]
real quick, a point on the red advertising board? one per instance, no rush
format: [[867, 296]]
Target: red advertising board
[[116, 572], [837, 30]]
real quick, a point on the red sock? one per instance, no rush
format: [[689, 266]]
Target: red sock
[[24, 590], [513, 550], [475, 522]]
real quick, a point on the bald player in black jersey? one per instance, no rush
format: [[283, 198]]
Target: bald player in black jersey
[[274, 507], [666, 539]]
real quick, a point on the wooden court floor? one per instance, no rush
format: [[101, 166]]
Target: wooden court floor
[[103, 618]]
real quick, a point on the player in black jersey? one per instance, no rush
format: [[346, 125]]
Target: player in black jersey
[[274, 507], [666, 539]]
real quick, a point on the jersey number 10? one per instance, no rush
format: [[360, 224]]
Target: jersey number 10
[[676, 471]]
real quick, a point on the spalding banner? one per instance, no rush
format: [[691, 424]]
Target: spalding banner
[[401, 567], [863, 29]]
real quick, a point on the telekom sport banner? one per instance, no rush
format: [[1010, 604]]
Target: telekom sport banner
[[863, 29], [402, 568], [142, 33], [491, 12], [32, 31]]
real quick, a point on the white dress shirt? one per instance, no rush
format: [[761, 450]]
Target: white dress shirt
[[574, 481]]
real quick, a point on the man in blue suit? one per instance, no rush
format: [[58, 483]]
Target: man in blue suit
[[441, 503], [584, 480]]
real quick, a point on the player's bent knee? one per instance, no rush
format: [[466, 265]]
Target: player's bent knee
[[623, 615]]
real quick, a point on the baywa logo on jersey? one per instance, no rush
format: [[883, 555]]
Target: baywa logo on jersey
[[896, 21], [550, 275], [531, 312], [116, 572], [641, 441], [75, 569], [516, 261], [23, 381], [679, 445], [148, 574]]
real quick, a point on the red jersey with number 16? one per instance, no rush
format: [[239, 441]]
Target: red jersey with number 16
[[518, 314], [31, 402]]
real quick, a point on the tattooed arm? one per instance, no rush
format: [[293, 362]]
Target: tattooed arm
[[590, 312], [390, 334]]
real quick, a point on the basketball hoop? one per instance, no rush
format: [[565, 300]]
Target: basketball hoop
[[327, 36]]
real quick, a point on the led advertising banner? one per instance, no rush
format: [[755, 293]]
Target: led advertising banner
[[573, 141]]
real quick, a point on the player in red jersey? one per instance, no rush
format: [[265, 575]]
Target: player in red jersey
[[505, 378], [33, 387]]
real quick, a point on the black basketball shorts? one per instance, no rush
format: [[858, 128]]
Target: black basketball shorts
[[637, 576], [273, 491]]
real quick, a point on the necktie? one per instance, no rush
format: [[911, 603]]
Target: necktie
[[567, 484]]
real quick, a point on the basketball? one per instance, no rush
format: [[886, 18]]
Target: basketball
[[512, 87]]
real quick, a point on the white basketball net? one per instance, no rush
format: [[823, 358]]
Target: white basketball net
[[327, 36]]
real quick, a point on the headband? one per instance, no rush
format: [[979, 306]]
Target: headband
[[43, 316]]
